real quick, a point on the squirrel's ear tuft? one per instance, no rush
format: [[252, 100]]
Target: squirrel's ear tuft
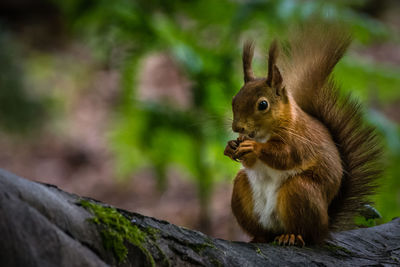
[[247, 57], [277, 81], [274, 78]]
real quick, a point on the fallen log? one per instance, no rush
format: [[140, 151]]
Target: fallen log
[[42, 225]]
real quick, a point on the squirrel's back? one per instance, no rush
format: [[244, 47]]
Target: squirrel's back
[[311, 56]]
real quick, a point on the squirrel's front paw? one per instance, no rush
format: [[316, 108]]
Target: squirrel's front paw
[[246, 153], [230, 149], [245, 147]]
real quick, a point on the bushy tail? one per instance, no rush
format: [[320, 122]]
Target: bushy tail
[[311, 56]]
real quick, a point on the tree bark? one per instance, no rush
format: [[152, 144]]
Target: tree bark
[[42, 225]]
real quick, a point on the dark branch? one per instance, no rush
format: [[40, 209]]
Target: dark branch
[[43, 226]]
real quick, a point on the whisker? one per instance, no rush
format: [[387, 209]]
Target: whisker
[[283, 139], [301, 138]]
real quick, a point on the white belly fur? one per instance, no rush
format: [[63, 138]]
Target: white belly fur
[[265, 183]]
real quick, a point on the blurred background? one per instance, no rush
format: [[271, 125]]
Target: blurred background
[[129, 102]]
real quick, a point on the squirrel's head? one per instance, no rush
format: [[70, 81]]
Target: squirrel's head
[[261, 102]]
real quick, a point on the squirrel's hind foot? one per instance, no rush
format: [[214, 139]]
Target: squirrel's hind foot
[[289, 240]]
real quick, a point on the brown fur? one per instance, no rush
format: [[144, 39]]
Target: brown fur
[[242, 207], [311, 129], [315, 50], [302, 207], [248, 51]]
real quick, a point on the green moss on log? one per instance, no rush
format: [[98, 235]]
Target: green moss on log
[[116, 230], [335, 249]]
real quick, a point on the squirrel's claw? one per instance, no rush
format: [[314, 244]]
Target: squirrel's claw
[[241, 151], [299, 241], [230, 149], [245, 147], [290, 240], [237, 149]]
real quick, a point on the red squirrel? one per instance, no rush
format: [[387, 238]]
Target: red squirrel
[[309, 161]]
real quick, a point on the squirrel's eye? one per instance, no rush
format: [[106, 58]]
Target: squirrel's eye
[[263, 105]]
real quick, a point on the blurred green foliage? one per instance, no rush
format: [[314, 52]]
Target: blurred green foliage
[[20, 111], [205, 37]]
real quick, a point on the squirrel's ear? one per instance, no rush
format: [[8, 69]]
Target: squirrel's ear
[[274, 78], [277, 81], [247, 57]]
